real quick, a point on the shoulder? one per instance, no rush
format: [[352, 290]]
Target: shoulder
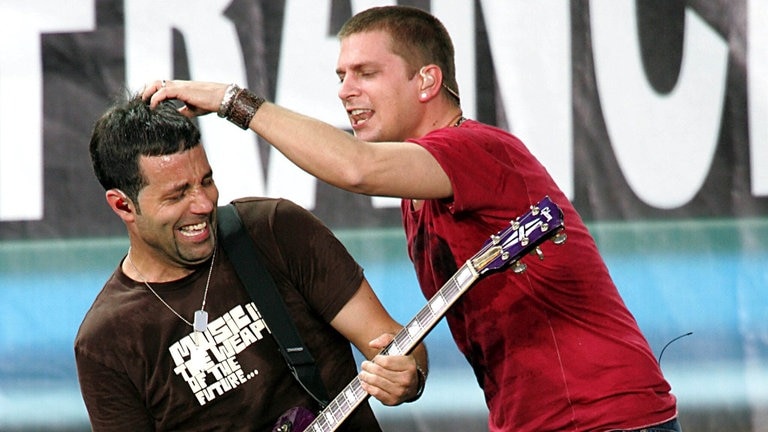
[[276, 217], [471, 134], [255, 206], [269, 208]]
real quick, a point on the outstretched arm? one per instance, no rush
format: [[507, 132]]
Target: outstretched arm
[[396, 169], [392, 379]]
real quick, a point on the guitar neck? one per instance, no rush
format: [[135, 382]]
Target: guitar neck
[[426, 319], [403, 343]]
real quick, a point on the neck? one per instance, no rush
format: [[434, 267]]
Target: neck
[[442, 120], [140, 268]]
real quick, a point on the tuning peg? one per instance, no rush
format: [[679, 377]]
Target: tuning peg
[[559, 238], [539, 253], [535, 210], [518, 267], [515, 224]]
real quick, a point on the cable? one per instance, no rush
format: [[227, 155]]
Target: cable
[[670, 343]]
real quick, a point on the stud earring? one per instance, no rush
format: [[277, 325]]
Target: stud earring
[[424, 95]]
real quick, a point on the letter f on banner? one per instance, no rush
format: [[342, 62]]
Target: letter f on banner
[[21, 97]]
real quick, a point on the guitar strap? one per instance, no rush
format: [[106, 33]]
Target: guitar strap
[[261, 287]]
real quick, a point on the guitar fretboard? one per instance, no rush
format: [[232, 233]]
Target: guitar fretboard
[[339, 408], [403, 343], [407, 339]]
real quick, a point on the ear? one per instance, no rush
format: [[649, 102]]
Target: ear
[[427, 78], [430, 76], [120, 203]]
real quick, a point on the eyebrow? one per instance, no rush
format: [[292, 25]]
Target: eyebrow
[[183, 186], [357, 66], [175, 189]]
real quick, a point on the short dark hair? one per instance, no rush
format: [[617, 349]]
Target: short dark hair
[[417, 36], [129, 130]]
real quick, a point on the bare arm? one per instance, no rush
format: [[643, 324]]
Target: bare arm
[[404, 170], [391, 379]]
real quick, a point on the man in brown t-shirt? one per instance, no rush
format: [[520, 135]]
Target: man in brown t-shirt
[[173, 341]]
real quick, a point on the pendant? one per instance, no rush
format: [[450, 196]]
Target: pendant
[[201, 321]]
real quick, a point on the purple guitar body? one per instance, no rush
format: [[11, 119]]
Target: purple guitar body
[[295, 419]]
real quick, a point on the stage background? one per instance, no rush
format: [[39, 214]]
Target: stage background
[[651, 115]]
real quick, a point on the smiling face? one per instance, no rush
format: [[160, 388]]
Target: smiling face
[[175, 229], [379, 90]]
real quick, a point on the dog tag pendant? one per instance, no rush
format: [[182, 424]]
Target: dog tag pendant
[[201, 321]]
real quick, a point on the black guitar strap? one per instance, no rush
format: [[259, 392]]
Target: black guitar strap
[[257, 280]]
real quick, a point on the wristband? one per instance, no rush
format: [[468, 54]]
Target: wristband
[[243, 107], [422, 383]]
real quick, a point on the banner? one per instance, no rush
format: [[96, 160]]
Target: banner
[[640, 110], [652, 116]]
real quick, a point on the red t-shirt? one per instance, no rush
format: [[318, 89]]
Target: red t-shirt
[[553, 348]]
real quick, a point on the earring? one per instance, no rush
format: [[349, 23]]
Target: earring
[[424, 95]]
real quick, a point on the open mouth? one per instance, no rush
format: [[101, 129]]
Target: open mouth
[[193, 230], [359, 116]]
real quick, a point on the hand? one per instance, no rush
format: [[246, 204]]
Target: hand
[[390, 379], [199, 98]]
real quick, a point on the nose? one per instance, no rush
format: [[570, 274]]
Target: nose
[[204, 200], [348, 88]]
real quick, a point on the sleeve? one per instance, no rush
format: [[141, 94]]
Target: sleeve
[[311, 257], [328, 276], [485, 175], [112, 402]]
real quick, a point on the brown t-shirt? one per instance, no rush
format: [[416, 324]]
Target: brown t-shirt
[[140, 369]]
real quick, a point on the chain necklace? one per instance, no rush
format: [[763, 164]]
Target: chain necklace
[[201, 316], [458, 121]]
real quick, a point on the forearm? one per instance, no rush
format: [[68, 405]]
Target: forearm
[[322, 150], [396, 169]]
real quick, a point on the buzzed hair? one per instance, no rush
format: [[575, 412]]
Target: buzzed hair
[[417, 36]]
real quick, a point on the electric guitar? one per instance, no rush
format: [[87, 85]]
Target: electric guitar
[[524, 235]]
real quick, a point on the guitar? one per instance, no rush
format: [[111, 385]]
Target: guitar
[[524, 235]]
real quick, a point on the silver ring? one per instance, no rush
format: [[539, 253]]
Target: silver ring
[[162, 83]]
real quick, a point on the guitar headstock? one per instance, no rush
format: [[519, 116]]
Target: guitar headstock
[[524, 235]]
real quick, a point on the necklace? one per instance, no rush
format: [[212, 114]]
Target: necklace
[[459, 121], [201, 316]]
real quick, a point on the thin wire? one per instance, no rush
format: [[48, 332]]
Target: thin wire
[[205, 293], [208, 281], [670, 343]]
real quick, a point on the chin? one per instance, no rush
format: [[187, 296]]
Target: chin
[[369, 135], [199, 254]]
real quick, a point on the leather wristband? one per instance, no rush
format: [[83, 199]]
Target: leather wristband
[[244, 107]]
